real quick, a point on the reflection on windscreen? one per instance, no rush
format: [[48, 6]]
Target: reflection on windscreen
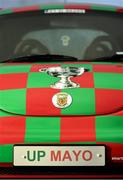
[[62, 41], [84, 36]]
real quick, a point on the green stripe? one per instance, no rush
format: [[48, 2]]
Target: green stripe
[[109, 129], [13, 101], [108, 80], [84, 98], [8, 11], [6, 153], [14, 69], [38, 80], [42, 130], [45, 7], [104, 8]]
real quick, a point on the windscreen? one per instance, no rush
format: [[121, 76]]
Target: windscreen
[[85, 35]]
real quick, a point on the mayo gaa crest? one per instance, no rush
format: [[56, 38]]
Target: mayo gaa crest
[[62, 100], [65, 75]]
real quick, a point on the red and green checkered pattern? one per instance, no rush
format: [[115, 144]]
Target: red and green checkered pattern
[[26, 91], [81, 130], [61, 6]]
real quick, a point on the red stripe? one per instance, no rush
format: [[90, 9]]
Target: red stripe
[[13, 81], [74, 6], [12, 130], [78, 129], [23, 9]]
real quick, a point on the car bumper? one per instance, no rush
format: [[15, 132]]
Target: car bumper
[[113, 168], [105, 172], [89, 130]]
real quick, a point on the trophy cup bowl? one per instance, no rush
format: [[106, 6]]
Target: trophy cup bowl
[[65, 75]]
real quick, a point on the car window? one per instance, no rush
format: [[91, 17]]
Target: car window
[[85, 35], [62, 41]]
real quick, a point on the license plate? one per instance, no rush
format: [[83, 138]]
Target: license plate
[[38, 155]]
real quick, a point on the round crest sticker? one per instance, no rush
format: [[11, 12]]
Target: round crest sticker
[[62, 100]]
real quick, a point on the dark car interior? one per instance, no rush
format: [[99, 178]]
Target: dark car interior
[[84, 36]]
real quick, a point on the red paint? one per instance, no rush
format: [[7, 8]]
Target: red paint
[[119, 113], [63, 176], [13, 81], [108, 100], [12, 130], [23, 9], [115, 150], [36, 67], [78, 129], [120, 10], [108, 68], [6, 165], [39, 102], [77, 6], [86, 80]]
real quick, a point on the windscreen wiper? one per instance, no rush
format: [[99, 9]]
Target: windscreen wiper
[[118, 56], [41, 58]]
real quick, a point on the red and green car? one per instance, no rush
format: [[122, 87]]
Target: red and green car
[[61, 90]]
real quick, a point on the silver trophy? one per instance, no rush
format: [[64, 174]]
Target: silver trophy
[[65, 75]]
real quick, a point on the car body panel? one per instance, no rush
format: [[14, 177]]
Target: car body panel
[[69, 125], [106, 130], [30, 89], [19, 3], [63, 6], [98, 121]]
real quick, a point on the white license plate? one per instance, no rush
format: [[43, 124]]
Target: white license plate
[[59, 155]]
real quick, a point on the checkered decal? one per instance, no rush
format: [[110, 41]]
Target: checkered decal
[[26, 91], [80, 130], [60, 6]]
